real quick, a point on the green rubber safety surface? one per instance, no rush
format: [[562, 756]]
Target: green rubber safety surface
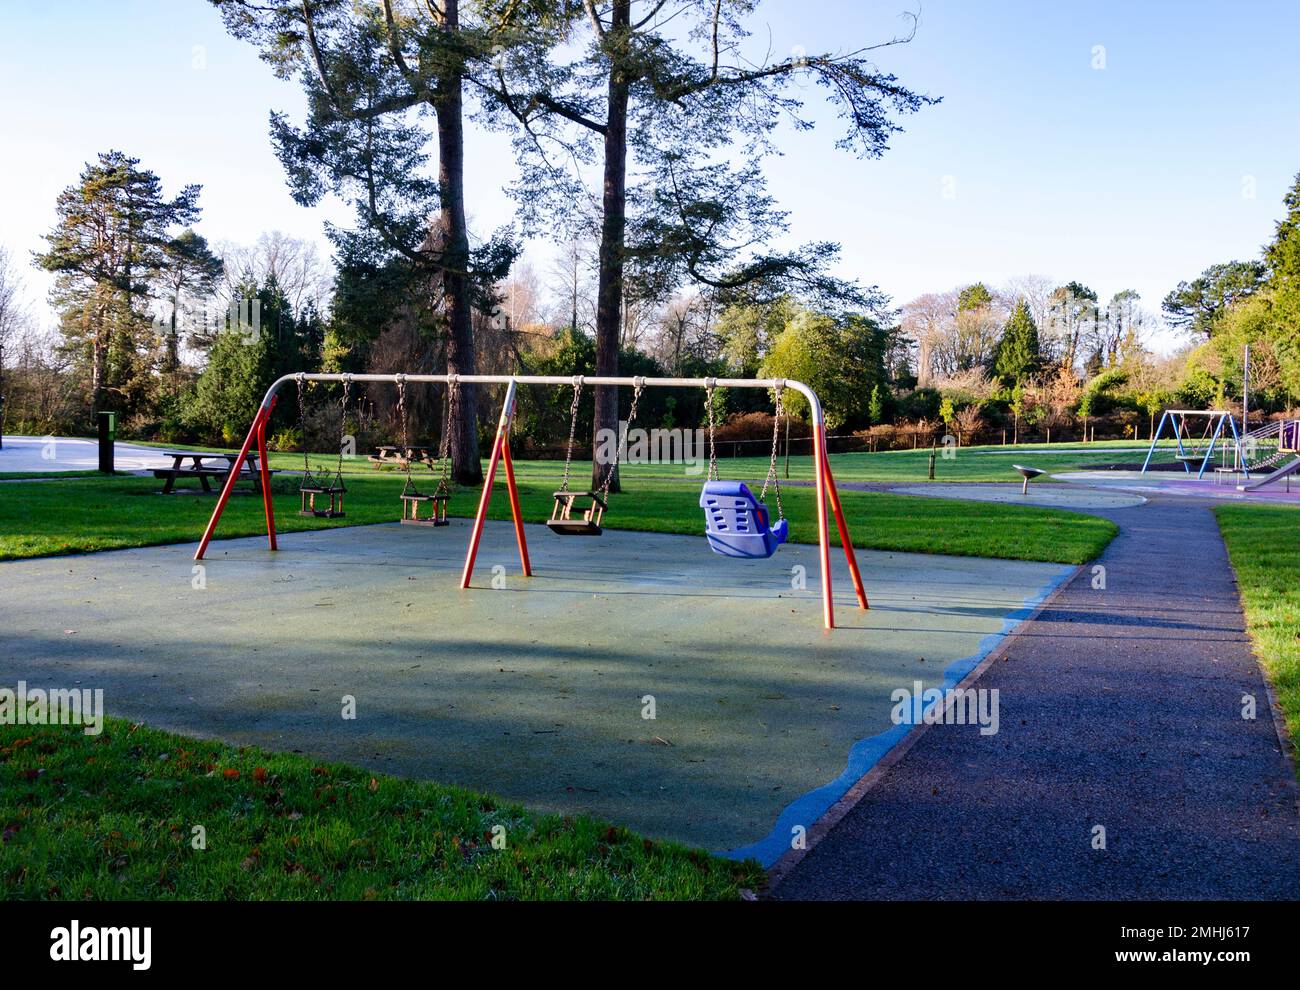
[[533, 690]]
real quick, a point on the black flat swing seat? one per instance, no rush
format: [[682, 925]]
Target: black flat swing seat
[[587, 520]]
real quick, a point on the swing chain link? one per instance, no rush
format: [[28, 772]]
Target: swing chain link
[[638, 386], [772, 477], [343, 421], [573, 430], [444, 444], [302, 428], [713, 453], [401, 417]]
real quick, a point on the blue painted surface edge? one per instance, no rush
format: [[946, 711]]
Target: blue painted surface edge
[[866, 753]]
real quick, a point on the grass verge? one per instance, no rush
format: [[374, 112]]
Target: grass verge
[[1264, 547], [114, 817]]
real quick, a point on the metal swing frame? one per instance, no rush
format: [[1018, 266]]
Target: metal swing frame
[[1175, 418], [500, 456]]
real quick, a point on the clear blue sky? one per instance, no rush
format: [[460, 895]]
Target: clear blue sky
[[1127, 176]]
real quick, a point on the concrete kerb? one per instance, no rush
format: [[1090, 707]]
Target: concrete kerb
[[836, 813]]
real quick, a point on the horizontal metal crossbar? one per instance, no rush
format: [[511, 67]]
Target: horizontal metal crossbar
[[586, 380]]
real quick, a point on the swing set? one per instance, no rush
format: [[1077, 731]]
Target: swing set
[[737, 524], [1192, 449]]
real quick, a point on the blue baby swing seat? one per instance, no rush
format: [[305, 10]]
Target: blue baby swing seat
[[736, 523]]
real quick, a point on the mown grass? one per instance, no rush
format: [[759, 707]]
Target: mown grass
[[966, 464], [29, 475], [114, 816], [1264, 546], [81, 515]]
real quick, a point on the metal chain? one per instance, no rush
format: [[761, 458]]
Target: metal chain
[[772, 477], [638, 385], [302, 427], [713, 453], [343, 420], [573, 429], [444, 444], [401, 416]]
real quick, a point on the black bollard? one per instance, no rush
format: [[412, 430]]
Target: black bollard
[[107, 434]]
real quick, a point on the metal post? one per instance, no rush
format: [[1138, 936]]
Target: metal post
[[232, 477], [107, 437], [1245, 396], [268, 506], [503, 428], [1209, 451], [845, 541], [515, 512], [1179, 423], [823, 534], [1154, 437]]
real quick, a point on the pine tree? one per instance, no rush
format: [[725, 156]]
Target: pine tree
[[110, 243], [656, 98], [191, 269], [1018, 354], [975, 296], [385, 87], [245, 359]]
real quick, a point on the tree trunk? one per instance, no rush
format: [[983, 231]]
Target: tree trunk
[[451, 241], [609, 294], [173, 357], [98, 357]]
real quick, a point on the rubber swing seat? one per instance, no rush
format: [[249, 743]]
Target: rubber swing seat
[[736, 523]]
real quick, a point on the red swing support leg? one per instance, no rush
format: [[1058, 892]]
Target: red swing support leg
[[845, 541], [500, 451], [823, 536], [515, 512], [264, 481], [259, 422]]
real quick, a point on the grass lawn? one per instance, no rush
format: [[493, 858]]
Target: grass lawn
[[80, 515], [968, 464], [113, 817], [1264, 545], [27, 475]]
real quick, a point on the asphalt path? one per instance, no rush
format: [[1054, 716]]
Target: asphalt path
[[1123, 767]]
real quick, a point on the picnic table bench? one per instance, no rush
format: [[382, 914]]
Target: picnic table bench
[[401, 456], [206, 472]]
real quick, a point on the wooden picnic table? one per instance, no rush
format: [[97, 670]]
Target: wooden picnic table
[[206, 473], [397, 454]]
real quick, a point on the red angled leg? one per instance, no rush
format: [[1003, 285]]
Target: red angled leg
[[515, 512], [481, 516], [229, 486], [823, 535], [265, 481], [843, 526]]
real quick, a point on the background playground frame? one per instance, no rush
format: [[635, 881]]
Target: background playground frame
[[1175, 418], [825, 482]]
